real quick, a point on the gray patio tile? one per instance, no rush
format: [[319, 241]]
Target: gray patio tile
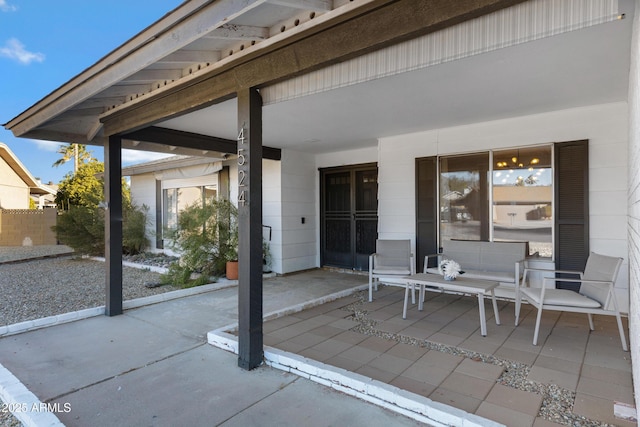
[[326, 331], [291, 347], [517, 400], [419, 330], [344, 324], [307, 339], [380, 315], [467, 385], [358, 354], [616, 376], [605, 390], [279, 323], [376, 373], [377, 344], [331, 347], [314, 354], [504, 415], [514, 355], [557, 364], [599, 409], [271, 340], [614, 359], [350, 337], [286, 333], [481, 370], [391, 326], [437, 359], [430, 375], [344, 363], [444, 338], [407, 351], [568, 352], [480, 344], [390, 363], [457, 400], [414, 386], [463, 332], [551, 376]]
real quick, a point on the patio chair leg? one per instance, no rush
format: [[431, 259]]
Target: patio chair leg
[[370, 289], [535, 333], [621, 330], [518, 305], [591, 327]]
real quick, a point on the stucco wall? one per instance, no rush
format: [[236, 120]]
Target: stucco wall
[[605, 126], [27, 227], [14, 193], [634, 204]]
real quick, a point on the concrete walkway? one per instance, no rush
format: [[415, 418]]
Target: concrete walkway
[[152, 366]]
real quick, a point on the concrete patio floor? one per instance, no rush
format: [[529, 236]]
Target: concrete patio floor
[[151, 365], [439, 353]]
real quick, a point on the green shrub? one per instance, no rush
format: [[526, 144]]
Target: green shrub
[[206, 236], [82, 228], [134, 239]]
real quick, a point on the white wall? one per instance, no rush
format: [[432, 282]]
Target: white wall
[[605, 126], [271, 211], [634, 203], [143, 192], [299, 245]]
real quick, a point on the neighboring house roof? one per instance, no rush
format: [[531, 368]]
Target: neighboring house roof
[[35, 186]]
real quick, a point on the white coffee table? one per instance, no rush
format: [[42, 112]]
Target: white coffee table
[[462, 284]]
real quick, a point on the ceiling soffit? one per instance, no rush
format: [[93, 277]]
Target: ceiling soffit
[[516, 25], [364, 30]]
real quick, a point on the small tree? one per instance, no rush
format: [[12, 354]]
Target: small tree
[[81, 224], [207, 237]]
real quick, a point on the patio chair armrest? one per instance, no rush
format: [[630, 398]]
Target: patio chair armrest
[[563, 279]]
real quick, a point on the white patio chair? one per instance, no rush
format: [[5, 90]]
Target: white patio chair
[[393, 258], [595, 296]]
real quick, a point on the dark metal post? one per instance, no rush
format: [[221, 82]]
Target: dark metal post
[[250, 351], [113, 225]]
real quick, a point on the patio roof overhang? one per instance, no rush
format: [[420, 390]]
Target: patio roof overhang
[[202, 52]]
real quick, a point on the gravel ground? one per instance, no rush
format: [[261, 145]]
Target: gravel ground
[[34, 285], [35, 289]]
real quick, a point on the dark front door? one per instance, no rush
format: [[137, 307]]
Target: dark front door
[[349, 216]]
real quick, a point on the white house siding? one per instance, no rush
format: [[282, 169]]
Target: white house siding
[[634, 203], [143, 192], [299, 244], [271, 211], [603, 125]]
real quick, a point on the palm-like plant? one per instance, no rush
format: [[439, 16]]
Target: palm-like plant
[[77, 152]]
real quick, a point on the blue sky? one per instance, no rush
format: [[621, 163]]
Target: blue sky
[[44, 44]]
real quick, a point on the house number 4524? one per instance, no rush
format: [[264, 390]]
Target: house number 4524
[[242, 186]]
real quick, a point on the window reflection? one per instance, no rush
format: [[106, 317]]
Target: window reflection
[[464, 197], [522, 198]]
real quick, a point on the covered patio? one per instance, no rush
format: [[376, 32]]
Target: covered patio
[[362, 102], [573, 377]]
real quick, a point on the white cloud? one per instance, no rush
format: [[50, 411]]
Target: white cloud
[[136, 156], [15, 50], [46, 145], [6, 7]]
